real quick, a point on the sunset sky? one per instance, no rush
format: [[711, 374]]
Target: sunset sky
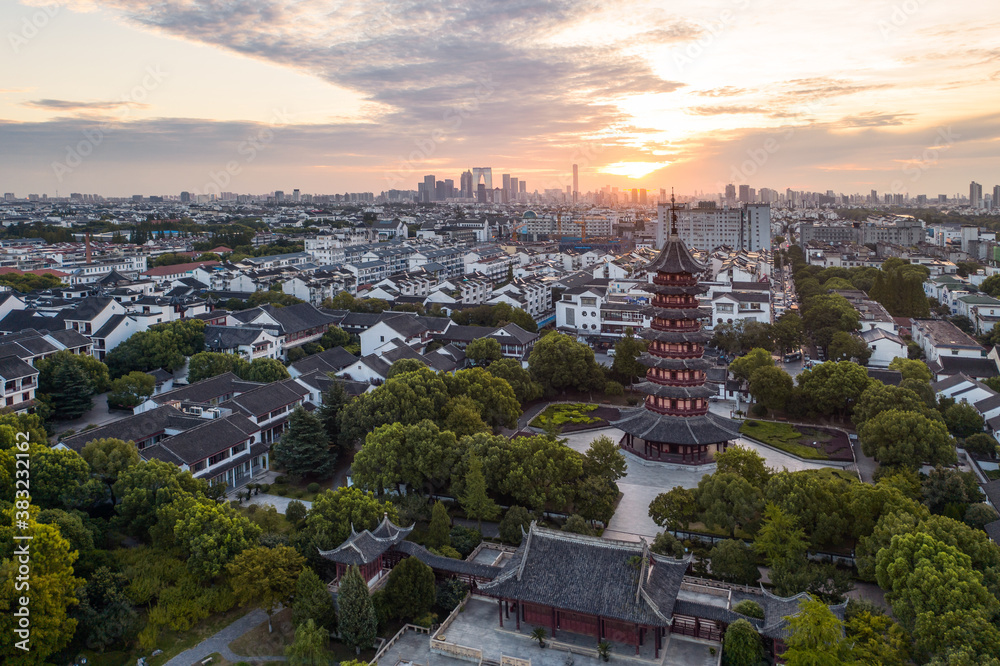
[[332, 96]]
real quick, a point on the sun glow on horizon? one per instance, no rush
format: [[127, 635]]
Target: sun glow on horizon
[[632, 169]]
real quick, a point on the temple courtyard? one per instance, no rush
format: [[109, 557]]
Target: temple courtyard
[[478, 626]]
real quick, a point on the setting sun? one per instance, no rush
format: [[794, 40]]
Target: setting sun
[[633, 169]]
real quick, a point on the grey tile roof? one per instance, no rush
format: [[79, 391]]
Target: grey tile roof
[[687, 430], [591, 575], [70, 338], [230, 337], [448, 564], [12, 367], [209, 437], [109, 327], [213, 388], [267, 397], [329, 360], [135, 428], [365, 546]]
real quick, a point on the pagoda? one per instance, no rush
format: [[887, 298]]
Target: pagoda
[[674, 424]]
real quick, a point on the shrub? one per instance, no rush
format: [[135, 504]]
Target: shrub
[[425, 620], [632, 400], [280, 490], [510, 527], [264, 487], [758, 410], [295, 511], [446, 551], [577, 525], [252, 509], [750, 423], [281, 478], [313, 487], [465, 539], [614, 388], [750, 608]]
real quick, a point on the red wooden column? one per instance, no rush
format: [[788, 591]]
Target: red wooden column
[[500, 611], [553, 622], [517, 614], [637, 639]]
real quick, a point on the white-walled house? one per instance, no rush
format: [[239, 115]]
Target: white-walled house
[[885, 346]]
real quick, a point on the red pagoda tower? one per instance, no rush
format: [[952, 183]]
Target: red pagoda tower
[[674, 424]]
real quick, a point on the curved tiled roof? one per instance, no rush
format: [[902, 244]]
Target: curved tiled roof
[[364, 547], [675, 257], [687, 430]]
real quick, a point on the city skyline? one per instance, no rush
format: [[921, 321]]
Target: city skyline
[[186, 97]]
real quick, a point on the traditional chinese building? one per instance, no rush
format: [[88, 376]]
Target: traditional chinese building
[[674, 423]]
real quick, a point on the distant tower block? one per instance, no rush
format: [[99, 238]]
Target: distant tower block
[[576, 183], [482, 174]]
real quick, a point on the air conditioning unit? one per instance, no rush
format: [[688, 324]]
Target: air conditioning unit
[[213, 413], [193, 410]]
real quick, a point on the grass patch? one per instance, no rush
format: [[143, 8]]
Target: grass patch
[[562, 414], [992, 474], [784, 437], [258, 642]]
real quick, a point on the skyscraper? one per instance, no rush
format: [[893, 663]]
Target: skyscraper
[[506, 187], [296, 195], [642, 197], [996, 196], [465, 184], [975, 195], [576, 183], [482, 173], [429, 189], [513, 189], [744, 194], [730, 195]]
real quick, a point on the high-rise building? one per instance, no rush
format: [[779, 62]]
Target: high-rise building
[[513, 189], [744, 194], [482, 174], [481, 193], [279, 196], [524, 187], [942, 198], [642, 197], [506, 187], [296, 195], [576, 183], [430, 193], [975, 195], [449, 188], [996, 196], [185, 197], [730, 195], [745, 227], [465, 185], [874, 197]]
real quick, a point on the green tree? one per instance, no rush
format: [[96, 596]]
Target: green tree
[[440, 527], [358, 623], [265, 371], [834, 387], [404, 365], [667, 544], [335, 399], [211, 364], [674, 509], [728, 501], [409, 592], [744, 367], [780, 539], [71, 527], [991, 286], [963, 420], [877, 641], [911, 369], [65, 380], [771, 386], [604, 459], [516, 519], [52, 591], [108, 458], [787, 332], [627, 351], [419, 456], [143, 489], [304, 449], [313, 602], [462, 417], [816, 498], [825, 314], [59, 477], [539, 471], [106, 616], [15, 427], [982, 443], [475, 501], [879, 397], [815, 637], [734, 562], [906, 439], [131, 389], [519, 379], [979, 515], [847, 347], [945, 489], [265, 577], [741, 645], [744, 462], [309, 646], [404, 399], [329, 520], [210, 535], [558, 363], [483, 351], [494, 397], [335, 337]]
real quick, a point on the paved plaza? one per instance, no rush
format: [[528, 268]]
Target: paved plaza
[[646, 479], [478, 626]]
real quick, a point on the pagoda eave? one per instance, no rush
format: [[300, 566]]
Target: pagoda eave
[[703, 430]]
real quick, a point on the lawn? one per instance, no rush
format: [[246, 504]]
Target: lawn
[[259, 643], [561, 414], [786, 438]]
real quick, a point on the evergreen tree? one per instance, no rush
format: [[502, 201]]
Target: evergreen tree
[[313, 602], [438, 532], [304, 449], [309, 646], [358, 622], [70, 391], [475, 501], [334, 400], [409, 592], [741, 645]]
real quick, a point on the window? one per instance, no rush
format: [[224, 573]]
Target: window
[[588, 301]]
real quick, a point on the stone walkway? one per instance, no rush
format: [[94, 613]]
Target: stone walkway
[[277, 501], [220, 643]]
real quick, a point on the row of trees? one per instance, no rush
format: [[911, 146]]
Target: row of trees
[[210, 364], [164, 345]]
